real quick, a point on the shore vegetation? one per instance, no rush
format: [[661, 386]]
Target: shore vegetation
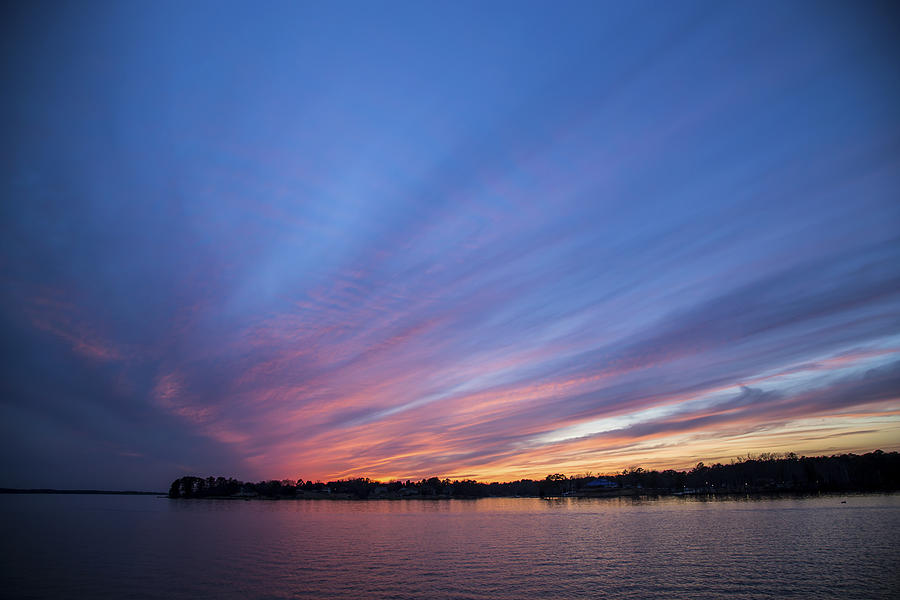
[[751, 474]]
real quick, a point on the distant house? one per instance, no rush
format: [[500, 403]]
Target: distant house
[[601, 484], [247, 492]]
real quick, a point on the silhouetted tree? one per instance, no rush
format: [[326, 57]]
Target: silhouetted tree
[[767, 472]]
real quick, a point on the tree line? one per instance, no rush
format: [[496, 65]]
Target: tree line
[[767, 472]]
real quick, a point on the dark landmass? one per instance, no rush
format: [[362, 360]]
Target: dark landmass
[[52, 491], [767, 473]]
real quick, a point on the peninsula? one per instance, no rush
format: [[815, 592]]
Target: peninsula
[[762, 474]]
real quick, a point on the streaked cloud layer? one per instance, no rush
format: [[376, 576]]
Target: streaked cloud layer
[[483, 241]]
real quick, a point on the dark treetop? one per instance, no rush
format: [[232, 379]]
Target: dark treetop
[[766, 473]]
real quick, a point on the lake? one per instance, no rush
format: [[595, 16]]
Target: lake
[[79, 546]]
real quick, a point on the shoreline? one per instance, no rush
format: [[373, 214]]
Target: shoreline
[[641, 495], [82, 492]]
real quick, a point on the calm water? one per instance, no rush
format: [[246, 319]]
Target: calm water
[[146, 547]]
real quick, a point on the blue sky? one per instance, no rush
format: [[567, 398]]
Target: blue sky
[[483, 240]]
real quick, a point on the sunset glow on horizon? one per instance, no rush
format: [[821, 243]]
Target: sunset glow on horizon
[[488, 241]]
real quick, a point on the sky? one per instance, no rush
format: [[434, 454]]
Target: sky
[[486, 240]]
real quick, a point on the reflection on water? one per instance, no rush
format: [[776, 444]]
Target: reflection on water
[[146, 547]]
